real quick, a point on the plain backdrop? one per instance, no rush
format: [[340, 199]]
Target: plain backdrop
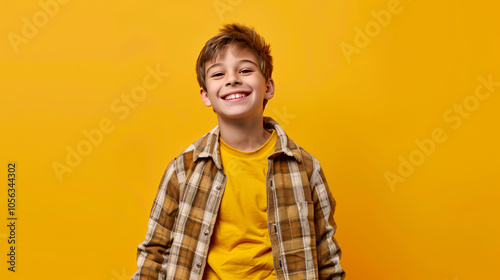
[[398, 100]]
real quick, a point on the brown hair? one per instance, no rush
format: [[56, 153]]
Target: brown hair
[[242, 37]]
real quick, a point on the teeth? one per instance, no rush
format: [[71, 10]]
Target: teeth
[[234, 96]]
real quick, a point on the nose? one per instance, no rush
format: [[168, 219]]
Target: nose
[[232, 79]]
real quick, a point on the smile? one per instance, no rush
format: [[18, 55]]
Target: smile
[[236, 97]]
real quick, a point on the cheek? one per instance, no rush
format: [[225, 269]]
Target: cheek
[[258, 83], [211, 89], [214, 86], [212, 92]]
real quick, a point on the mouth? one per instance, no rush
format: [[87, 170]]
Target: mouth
[[235, 96]]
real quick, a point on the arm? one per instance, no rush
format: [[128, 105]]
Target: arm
[[328, 250], [154, 250]]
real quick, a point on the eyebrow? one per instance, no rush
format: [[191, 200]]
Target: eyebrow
[[239, 62]]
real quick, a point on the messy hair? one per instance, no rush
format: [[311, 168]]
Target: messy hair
[[240, 36]]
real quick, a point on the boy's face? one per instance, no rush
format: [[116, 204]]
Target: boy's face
[[236, 72]]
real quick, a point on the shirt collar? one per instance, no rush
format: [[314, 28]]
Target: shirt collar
[[208, 145]]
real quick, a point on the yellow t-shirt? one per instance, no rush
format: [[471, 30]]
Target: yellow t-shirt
[[240, 247]]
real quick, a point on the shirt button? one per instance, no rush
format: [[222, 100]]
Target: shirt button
[[217, 187], [207, 232], [198, 265]]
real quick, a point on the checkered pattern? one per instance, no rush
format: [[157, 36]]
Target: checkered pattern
[[299, 213]]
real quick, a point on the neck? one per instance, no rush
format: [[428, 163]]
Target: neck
[[244, 134]]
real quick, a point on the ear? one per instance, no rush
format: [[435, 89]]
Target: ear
[[204, 97], [269, 89]]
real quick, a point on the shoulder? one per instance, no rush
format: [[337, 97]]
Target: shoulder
[[188, 156], [286, 144], [309, 162], [298, 151]]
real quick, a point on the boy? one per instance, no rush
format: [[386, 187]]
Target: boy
[[243, 201]]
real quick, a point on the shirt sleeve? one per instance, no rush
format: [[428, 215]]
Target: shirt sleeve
[[154, 250], [328, 250]]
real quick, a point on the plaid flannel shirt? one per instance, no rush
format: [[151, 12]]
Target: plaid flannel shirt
[[300, 210]]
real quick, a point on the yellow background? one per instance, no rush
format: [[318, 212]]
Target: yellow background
[[357, 114]]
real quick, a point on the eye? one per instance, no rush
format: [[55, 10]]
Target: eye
[[216, 75], [246, 71]]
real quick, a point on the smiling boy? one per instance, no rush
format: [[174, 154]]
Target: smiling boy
[[243, 201]]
